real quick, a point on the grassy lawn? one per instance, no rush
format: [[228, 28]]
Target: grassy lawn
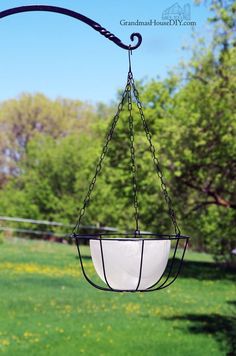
[[47, 308]]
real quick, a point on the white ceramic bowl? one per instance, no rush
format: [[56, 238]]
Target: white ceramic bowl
[[122, 261]]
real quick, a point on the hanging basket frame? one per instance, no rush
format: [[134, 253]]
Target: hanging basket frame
[[137, 235], [171, 271]]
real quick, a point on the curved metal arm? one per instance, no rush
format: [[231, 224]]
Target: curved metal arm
[[78, 16]]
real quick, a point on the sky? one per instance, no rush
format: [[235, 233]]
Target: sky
[[62, 57]]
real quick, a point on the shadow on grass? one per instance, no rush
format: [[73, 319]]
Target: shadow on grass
[[233, 303], [206, 271], [223, 328]]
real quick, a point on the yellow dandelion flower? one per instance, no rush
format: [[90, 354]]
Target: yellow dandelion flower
[[5, 342], [27, 334]]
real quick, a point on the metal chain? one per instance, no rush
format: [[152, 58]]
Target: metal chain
[[156, 161], [101, 159], [127, 93], [132, 155]]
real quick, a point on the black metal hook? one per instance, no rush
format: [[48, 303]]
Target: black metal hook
[[129, 55], [96, 26]]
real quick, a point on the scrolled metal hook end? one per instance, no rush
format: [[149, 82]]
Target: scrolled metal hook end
[[132, 37]]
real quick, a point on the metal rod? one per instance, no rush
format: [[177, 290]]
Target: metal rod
[[103, 265], [96, 26], [84, 273], [34, 232], [179, 268], [54, 223], [170, 269], [141, 266], [31, 221], [126, 237]]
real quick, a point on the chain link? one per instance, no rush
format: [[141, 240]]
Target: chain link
[[132, 155], [156, 161], [101, 158]]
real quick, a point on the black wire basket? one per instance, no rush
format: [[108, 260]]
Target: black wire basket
[[132, 263], [138, 261]]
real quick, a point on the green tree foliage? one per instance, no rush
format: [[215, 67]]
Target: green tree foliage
[[47, 163], [21, 119], [196, 128]]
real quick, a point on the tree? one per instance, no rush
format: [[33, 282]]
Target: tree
[[21, 119], [198, 136], [49, 150]]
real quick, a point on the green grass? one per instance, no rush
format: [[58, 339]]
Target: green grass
[[47, 308]]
